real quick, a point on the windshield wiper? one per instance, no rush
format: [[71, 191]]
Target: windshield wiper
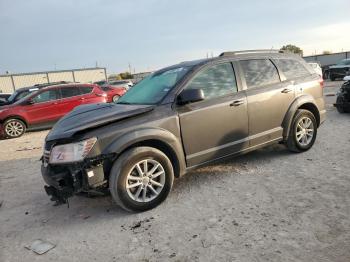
[[124, 103]]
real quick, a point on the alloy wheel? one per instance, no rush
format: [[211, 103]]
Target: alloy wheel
[[116, 98], [145, 181], [305, 131], [14, 128]]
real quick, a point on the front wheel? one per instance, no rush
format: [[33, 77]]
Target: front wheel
[[14, 128], [141, 179], [303, 132], [341, 108]]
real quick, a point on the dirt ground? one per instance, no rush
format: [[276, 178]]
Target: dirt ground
[[268, 205]]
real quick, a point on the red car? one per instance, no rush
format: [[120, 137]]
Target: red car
[[113, 92], [43, 108]]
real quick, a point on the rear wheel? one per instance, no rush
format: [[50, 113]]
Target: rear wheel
[[303, 132], [141, 179], [116, 98], [14, 128]]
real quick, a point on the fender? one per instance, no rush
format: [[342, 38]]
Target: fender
[[16, 117], [144, 135], [298, 102]]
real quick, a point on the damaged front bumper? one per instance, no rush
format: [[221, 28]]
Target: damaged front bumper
[[64, 181], [343, 98]]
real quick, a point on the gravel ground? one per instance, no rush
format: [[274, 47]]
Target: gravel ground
[[269, 205]]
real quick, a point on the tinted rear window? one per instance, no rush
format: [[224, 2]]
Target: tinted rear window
[[106, 88], [259, 72], [86, 89], [292, 68], [70, 91]]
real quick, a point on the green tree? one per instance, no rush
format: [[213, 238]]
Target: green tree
[[126, 75], [293, 49]]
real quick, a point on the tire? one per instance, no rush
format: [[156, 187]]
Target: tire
[[340, 105], [14, 128], [299, 141], [124, 173], [115, 98]]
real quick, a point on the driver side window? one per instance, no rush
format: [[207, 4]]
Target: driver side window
[[218, 80], [46, 96]]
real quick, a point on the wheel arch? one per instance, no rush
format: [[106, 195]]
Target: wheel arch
[[157, 138], [306, 102], [16, 117]]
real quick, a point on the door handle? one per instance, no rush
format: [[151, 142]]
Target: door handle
[[286, 90], [237, 103]]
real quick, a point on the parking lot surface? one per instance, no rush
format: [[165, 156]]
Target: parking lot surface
[[268, 205]]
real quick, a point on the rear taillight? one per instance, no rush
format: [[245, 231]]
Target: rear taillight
[[321, 82]]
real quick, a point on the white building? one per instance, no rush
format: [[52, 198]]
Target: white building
[[11, 82]]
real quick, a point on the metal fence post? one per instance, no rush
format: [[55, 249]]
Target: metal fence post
[[105, 74], [73, 76], [47, 78], [13, 83]]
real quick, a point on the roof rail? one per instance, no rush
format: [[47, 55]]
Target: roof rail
[[231, 53]]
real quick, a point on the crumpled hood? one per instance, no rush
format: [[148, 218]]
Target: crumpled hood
[[92, 116]]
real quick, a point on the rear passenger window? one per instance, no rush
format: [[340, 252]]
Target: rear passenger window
[[259, 72], [291, 68], [216, 81], [70, 91], [86, 89]]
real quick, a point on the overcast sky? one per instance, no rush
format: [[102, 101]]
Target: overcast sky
[[39, 35]]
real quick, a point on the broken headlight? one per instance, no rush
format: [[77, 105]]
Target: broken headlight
[[74, 152]]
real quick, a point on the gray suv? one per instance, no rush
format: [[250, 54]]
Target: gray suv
[[179, 118]]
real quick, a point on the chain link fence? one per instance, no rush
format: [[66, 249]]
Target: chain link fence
[[9, 83]]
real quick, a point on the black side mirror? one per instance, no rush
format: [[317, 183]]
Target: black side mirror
[[190, 96], [29, 101]]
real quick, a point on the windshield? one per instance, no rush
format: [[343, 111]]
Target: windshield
[[344, 62], [16, 96], [12, 97], [153, 88]]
